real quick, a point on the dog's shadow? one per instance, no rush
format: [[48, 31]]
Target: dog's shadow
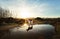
[[29, 28]]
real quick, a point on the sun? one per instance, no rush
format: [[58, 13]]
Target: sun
[[24, 12], [25, 15]]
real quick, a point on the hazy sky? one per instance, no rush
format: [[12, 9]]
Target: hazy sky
[[38, 8]]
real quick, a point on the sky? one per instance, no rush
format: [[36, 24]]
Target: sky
[[32, 8]]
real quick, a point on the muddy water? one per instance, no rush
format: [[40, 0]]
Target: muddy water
[[34, 33]]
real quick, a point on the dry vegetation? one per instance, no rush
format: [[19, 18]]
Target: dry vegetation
[[53, 21], [7, 20]]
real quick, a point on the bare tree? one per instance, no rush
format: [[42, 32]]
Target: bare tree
[[4, 12]]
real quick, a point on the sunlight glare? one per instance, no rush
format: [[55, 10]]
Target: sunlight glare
[[24, 12]]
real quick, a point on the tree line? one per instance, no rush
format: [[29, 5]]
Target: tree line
[[4, 13]]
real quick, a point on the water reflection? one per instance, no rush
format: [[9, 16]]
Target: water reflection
[[37, 31], [19, 29]]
